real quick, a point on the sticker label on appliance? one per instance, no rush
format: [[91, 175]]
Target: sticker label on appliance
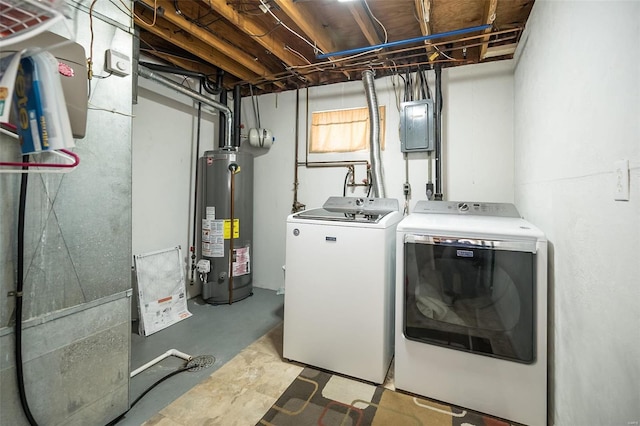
[[331, 239], [210, 213], [227, 228], [241, 261], [464, 253], [212, 238]]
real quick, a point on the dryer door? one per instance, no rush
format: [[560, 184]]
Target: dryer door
[[471, 295]]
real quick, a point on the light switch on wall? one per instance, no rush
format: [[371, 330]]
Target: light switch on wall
[[621, 180]]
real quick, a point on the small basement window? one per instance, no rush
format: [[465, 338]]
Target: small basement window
[[343, 130]]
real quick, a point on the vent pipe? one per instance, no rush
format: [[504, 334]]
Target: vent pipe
[[148, 74], [222, 130], [374, 134], [237, 101]]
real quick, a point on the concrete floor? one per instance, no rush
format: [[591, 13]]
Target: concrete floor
[[221, 331]]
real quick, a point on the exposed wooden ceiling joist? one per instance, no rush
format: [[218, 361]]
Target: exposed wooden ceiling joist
[[310, 26], [203, 40], [489, 17], [423, 10], [364, 22], [273, 44], [260, 33]]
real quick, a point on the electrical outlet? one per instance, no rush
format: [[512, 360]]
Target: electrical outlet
[[621, 180]]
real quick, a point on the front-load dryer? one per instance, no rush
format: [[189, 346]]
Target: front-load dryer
[[339, 286], [471, 309]]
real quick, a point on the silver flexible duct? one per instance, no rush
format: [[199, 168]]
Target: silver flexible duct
[[374, 135], [147, 73]]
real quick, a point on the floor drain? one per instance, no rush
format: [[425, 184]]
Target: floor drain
[[200, 362]]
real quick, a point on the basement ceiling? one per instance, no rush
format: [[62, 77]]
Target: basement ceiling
[[274, 45]]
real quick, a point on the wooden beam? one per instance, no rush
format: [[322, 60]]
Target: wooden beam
[[252, 28], [501, 50], [198, 48], [423, 10], [310, 26], [194, 65], [363, 20], [489, 16], [205, 37]]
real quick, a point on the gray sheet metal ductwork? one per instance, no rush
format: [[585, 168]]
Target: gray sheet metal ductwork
[[374, 134], [146, 73]]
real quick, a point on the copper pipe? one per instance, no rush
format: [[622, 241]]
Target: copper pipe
[[312, 164], [232, 169]]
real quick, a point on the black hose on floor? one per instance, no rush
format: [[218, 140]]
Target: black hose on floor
[[195, 364], [19, 286], [122, 416]]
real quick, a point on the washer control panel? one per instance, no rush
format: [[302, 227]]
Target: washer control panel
[[361, 205]]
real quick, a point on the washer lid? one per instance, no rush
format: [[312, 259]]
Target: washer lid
[[340, 216]]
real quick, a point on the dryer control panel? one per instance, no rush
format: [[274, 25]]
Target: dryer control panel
[[467, 208]]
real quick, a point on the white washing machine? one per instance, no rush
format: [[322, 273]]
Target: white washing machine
[[339, 286], [471, 309]]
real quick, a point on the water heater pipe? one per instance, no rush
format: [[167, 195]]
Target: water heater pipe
[[374, 134], [233, 168], [222, 134], [148, 74], [237, 103]]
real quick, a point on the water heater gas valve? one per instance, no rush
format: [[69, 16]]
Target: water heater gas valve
[[203, 266]]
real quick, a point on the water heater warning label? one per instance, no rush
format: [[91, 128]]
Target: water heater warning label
[[227, 228], [212, 238], [241, 261]]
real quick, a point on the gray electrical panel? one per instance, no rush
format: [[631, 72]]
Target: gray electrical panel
[[417, 126]]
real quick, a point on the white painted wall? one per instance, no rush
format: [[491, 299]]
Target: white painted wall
[[477, 139], [477, 165], [163, 169], [577, 103]]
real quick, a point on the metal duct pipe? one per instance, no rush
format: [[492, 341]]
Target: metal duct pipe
[[237, 99], [222, 133], [148, 74], [206, 84], [374, 134], [438, 133]]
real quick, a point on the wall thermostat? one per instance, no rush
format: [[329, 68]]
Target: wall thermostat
[[118, 63]]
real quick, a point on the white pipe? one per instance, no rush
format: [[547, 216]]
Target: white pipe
[[170, 352]]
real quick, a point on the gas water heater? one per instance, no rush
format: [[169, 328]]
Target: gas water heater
[[225, 212]]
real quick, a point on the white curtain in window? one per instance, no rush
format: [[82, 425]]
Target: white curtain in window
[[343, 130]]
